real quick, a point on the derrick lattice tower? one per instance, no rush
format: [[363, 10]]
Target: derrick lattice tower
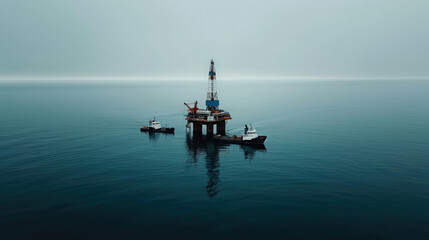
[[212, 102]]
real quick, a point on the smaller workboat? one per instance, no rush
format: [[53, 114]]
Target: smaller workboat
[[250, 137], [155, 126]]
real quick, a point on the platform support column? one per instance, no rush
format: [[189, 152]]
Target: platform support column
[[197, 128], [188, 126], [221, 128], [209, 129]]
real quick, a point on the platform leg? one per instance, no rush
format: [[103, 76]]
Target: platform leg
[[188, 126], [220, 128], [209, 129], [197, 128]]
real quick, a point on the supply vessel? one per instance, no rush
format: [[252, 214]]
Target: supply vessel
[[250, 137], [155, 126]]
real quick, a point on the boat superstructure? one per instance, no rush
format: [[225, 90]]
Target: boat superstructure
[[154, 124], [249, 133]]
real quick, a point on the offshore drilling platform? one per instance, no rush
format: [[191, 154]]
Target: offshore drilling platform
[[210, 116]]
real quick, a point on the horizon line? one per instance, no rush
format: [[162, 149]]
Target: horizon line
[[193, 78]]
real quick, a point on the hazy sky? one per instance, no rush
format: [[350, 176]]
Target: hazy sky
[[273, 38]]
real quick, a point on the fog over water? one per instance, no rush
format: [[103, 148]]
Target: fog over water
[[332, 38]]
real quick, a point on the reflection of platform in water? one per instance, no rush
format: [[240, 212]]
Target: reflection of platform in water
[[204, 145]]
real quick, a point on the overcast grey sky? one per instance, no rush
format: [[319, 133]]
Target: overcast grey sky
[[271, 38]]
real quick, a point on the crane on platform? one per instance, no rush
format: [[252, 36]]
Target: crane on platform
[[193, 109]]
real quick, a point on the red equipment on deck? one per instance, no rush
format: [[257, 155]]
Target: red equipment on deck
[[194, 109]]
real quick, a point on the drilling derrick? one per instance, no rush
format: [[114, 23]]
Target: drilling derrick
[[212, 115], [212, 102]]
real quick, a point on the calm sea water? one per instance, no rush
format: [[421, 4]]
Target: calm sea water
[[343, 160]]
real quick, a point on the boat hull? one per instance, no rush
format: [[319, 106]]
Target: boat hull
[[160, 130], [237, 140]]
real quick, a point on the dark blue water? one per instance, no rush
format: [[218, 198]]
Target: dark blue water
[[344, 160]]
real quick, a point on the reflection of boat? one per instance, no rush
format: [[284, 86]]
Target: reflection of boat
[[155, 126], [249, 151], [250, 137]]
